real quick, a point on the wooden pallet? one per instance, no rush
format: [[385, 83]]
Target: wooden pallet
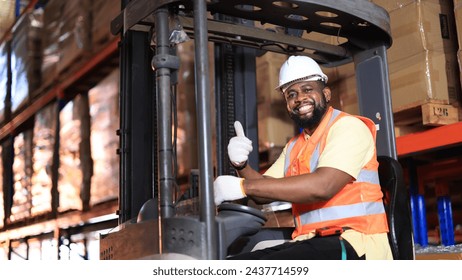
[[432, 113], [424, 116]]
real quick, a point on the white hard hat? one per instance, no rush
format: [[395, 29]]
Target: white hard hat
[[297, 69]]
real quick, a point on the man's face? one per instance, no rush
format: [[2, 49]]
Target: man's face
[[307, 103]]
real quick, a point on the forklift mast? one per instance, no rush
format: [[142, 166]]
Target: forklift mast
[[147, 81]]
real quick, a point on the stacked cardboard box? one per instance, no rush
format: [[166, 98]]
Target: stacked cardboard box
[[422, 59], [422, 63]]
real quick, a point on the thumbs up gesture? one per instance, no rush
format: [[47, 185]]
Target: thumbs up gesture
[[239, 146]]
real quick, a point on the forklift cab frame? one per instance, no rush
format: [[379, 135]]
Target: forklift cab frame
[[230, 22]]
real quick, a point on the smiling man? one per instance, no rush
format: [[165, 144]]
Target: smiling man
[[329, 172]]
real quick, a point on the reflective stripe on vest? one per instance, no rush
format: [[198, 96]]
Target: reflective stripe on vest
[[368, 176], [287, 158], [342, 212], [315, 156]]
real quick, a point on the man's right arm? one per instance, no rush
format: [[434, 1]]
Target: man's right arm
[[276, 170], [239, 148]]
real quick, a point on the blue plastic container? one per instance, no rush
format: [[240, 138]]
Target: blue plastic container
[[445, 220]]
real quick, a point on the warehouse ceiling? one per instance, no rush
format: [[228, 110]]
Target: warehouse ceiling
[[7, 15]]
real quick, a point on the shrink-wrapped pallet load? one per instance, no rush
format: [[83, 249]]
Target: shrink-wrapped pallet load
[[26, 55], [103, 12], [74, 35], [22, 172], [70, 168], [50, 39], [42, 159], [2, 210], [104, 113]]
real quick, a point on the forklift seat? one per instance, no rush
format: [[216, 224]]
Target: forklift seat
[[397, 207]]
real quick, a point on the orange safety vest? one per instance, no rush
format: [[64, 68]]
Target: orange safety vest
[[358, 205]]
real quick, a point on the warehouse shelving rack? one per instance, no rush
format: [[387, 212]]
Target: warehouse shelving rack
[[54, 225]]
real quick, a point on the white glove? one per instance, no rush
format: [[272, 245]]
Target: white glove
[[239, 146], [227, 188]]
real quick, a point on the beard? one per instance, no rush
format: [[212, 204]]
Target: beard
[[313, 121]]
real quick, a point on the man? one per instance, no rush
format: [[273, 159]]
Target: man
[[328, 173]]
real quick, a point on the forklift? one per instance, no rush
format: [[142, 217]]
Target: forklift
[[149, 227]]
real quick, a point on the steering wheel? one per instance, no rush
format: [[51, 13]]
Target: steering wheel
[[242, 209]]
